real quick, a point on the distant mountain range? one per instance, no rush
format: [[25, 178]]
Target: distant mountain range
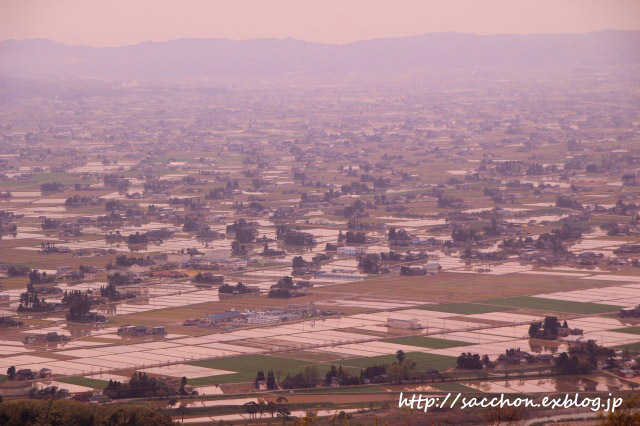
[[283, 58]]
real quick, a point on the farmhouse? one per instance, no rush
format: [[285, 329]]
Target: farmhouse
[[412, 324]]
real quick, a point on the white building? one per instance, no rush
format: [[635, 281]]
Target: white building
[[263, 319], [351, 251], [216, 255], [412, 324]]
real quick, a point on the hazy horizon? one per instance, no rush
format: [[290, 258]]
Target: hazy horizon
[[121, 23], [317, 42]]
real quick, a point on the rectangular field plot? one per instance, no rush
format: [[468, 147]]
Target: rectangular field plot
[[21, 360], [247, 367], [427, 342], [630, 330], [185, 370], [543, 304], [465, 308], [622, 295], [506, 317], [234, 349], [369, 303], [89, 382], [424, 361], [473, 337]]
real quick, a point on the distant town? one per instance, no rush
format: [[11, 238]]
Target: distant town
[[253, 254]]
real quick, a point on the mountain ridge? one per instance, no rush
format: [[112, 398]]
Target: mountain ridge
[[274, 57]]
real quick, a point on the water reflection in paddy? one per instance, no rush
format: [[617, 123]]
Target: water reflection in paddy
[[599, 383]]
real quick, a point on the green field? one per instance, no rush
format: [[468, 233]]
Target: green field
[[634, 347], [345, 389], [247, 366], [424, 361], [427, 342], [85, 381], [465, 308], [453, 387], [630, 330], [542, 304]]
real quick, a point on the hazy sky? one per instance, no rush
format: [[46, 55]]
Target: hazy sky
[[122, 22]]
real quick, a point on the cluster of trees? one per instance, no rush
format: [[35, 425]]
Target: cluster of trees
[[511, 243], [355, 188], [121, 182], [469, 361], [238, 249], [354, 237], [119, 279], [221, 193], [465, 235], [243, 230], [409, 271], [629, 179], [547, 330], [299, 262], [556, 239], [9, 322], [308, 378], [239, 288], [393, 256], [445, 202], [286, 288], [36, 277], [378, 182], [615, 228], [343, 377], [7, 228], [509, 167], [568, 203], [206, 233], [33, 412], [266, 251], [141, 386], [126, 261], [487, 256], [536, 169], [79, 304], [50, 223], [291, 237], [78, 200], [283, 293], [208, 278], [113, 205], [626, 208], [51, 187], [281, 408], [30, 302], [401, 369], [370, 264], [569, 364], [138, 238], [17, 271], [111, 292], [190, 224], [270, 379], [591, 348], [399, 237], [355, 209], [111, 217]]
